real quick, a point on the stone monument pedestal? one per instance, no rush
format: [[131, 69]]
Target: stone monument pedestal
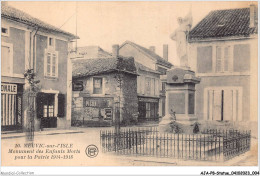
[[180, 98]]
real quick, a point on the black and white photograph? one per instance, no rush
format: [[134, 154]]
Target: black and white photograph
[[121, 83]]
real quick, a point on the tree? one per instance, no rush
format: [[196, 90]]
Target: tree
[[29, 75]]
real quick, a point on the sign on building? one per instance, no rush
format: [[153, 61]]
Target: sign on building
[[8, 88]]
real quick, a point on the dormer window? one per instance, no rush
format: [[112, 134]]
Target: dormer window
[[5, 31], [221, 25]]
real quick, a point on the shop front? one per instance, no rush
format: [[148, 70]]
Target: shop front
[[98, 110], [148, 109], [11, 106], [50, 107]]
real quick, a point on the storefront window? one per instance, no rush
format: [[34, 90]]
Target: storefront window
[[148, 110]]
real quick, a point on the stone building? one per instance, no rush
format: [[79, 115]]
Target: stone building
[[150, 89], [28, 43], [223, 53], [97, 91]]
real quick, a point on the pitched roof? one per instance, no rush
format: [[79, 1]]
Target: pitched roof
[[88, 67], [93, 52], [22, 17], [224, 23], [148, 52], [140, 66]]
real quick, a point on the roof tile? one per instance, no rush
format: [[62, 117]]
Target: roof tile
[[20, 16], [224, 23], [88, 67]]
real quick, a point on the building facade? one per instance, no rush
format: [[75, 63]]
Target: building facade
[[223, 53], [102, 85], [150, 89], [28, 43]]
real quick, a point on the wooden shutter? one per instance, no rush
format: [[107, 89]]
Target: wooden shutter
[[241, 58], [39, 104], [204, 59], [61, 105], [219, 59], [226, 58]]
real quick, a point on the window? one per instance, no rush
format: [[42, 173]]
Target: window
[[204, 59], [50, 42], [148, 86], [5, 31], [48, 111], [6, 59], [97, 86], [51, 69], [222, 58], [242, 59], [152, 86], [47, 102], [148, 110], [156, 87], [163, 86]]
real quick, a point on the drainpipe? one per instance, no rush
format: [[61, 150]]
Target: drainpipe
[[34, 48], [32, 98]]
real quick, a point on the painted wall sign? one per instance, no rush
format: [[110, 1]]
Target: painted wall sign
[[9, 88], [108, 113], [98, 102], [151, 100], [77, 86]]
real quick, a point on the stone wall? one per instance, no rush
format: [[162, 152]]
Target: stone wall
[[111, 91]]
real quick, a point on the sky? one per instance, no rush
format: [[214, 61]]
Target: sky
[[147, 23]]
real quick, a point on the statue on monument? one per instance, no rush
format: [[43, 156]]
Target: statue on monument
[[180, 35]]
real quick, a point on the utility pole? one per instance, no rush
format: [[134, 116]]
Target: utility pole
[[119, 80]]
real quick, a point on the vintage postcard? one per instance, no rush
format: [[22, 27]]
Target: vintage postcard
[[129, 83]]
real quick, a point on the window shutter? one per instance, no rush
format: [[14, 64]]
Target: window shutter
[[61, 105], [39, 104], [241, 58], [218, 59], [226, 58], [204, 59]]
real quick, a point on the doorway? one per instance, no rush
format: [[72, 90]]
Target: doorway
[[223, 104], [46, 110]]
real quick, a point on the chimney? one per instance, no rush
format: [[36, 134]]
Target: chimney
[[115, 50], [253, 15], [165, 52], [152, 48]]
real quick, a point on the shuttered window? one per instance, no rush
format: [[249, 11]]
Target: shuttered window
[[204, 59], [241, 58], [51, 64], [222, 58], [218, 59], [148, 86], [226, 58], [39, 104], [152, 86], [6, 59]]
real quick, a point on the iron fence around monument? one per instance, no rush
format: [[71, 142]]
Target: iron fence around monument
[[209, 145]]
